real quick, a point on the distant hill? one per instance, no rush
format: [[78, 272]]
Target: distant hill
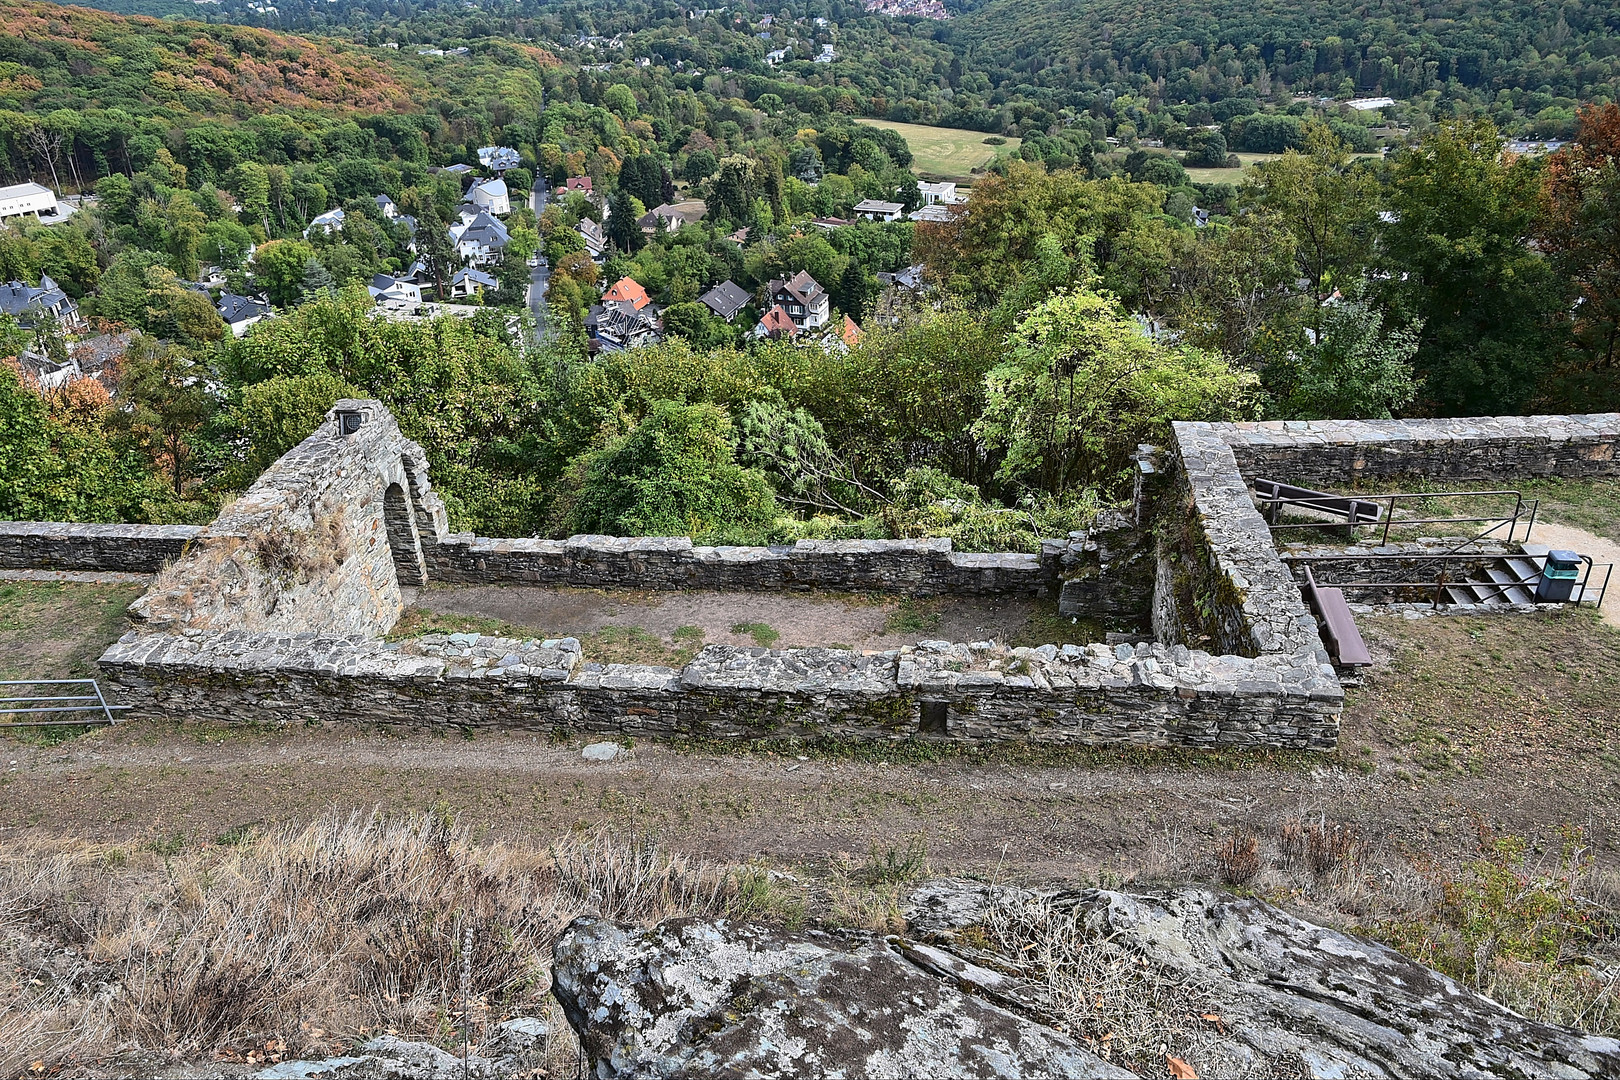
[[76, 58], [1195, 50]]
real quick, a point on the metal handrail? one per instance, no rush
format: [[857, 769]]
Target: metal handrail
[[1440, 582], [29, 705], [1387, 519]]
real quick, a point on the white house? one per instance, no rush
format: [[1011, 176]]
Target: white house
[[386, 207], [470, 282], [878, 210], [498, 158], [827, 55], [803, 298], [481, 240], [328, 223], [389, 291], [491, 197], [944, 193], [777, 56], [21, 200]]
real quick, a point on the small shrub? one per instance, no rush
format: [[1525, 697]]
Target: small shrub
[[895, 865], [1239, 858]]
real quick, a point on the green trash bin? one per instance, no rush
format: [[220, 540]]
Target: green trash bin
[[1558, 578]]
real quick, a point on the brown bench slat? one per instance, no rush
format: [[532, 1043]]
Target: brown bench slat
[[1339, 626]]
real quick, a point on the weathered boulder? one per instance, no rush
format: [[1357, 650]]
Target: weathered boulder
[[513, 1049], [701, 998], [1292, 998]]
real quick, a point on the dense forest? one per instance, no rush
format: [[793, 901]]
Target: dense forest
[[1388, 261]]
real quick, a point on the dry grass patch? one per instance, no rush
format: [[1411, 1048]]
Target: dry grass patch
[[305, 941]]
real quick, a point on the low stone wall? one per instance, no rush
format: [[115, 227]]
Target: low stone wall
[[1236, 585], [126, 549], [912, 567], [1147, 695], [1333, 453]]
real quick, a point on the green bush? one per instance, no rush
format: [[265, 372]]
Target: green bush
[[673, 474]]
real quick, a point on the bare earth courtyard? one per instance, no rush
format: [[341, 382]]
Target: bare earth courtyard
[[783, 620]]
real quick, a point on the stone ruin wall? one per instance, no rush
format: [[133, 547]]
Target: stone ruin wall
[[310, 547], [313, 649]]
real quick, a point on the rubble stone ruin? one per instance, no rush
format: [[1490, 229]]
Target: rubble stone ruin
[[278, 611]]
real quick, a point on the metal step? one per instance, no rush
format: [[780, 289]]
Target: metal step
[[1523, 570], [1515, 593], [1461, 596]]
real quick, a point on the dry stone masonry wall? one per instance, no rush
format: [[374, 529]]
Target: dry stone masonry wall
[[59, 545], [1338, 452], [277, 611], [979, 692]]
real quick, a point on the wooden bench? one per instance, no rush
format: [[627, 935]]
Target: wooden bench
[[1339, 631], [1276, 495]]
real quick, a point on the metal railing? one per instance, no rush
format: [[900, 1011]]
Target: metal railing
[[1522, 511], [15, 704], [1442, 581]]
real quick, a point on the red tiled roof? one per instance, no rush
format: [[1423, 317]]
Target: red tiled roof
[[851, 333], [777, 321], [630, 290]]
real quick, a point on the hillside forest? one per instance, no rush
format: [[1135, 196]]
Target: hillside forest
[[1095, 285]]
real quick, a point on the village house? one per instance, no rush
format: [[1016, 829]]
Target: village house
[[581, 184], [726, 300], [327, 223], [900, 296], [470, 282], [26, 200], [625, 319], [673, 215], [491, 196], [498, 158], [481, 240], [775, 324], [31, 306], [395, 292], [240, 312], [943, 193], [595, 238], [878, 210], [803, 298], [386, 207]]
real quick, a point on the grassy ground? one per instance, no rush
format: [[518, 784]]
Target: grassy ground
[[1471, 815], [948, 152], [55, 630], [1235, 176], [606, 645]]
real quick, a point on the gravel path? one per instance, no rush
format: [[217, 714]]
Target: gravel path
[[1600, 550]]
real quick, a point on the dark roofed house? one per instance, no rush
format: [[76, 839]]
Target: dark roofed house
[[240, 312], [30, 305], [803, 298], [673, 215], [618, 324], [725, 300]]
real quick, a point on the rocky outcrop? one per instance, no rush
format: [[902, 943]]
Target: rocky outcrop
[[516, 1048], [1291, 997], [696, 998]]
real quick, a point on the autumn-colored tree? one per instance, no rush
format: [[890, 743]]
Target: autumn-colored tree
[[1580, 232]]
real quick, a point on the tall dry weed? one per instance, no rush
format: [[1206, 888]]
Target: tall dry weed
[[304, 939]]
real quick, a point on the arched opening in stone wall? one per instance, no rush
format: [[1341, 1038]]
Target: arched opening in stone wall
[[403, 539]]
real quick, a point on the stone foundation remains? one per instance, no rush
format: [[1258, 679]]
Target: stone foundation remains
[[276, 612]]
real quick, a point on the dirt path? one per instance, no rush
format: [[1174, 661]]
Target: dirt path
[[1599, 549], [1462, 721]]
